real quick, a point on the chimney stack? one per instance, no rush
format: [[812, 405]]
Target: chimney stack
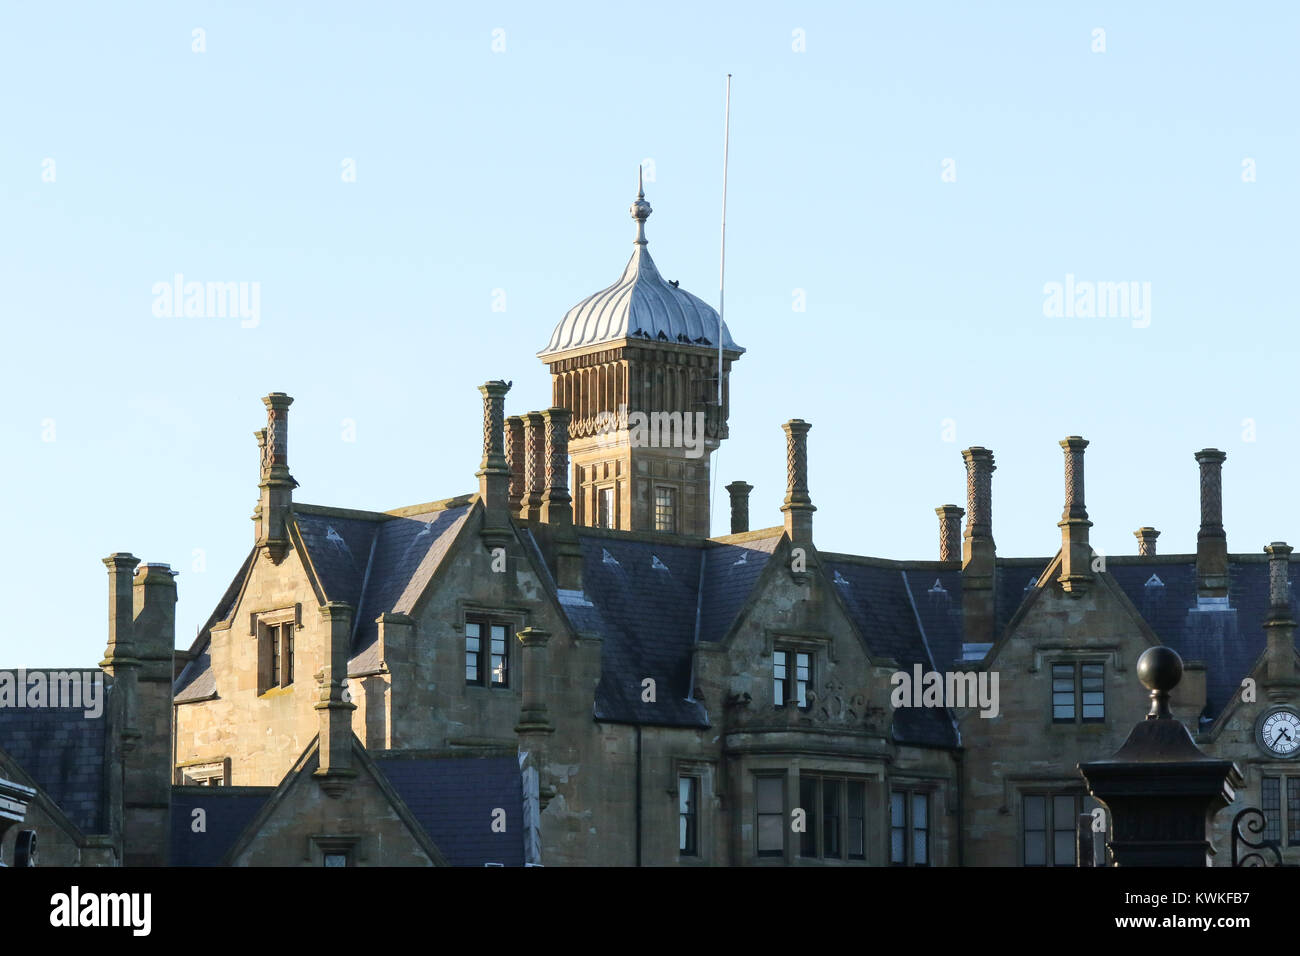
[[493, 473], [1146, 541], [1076, 553], [557, 505], [534, 465], [949, 532], [333, 711], [739, 492], [798, 506], [515, 457], [1279, 625], [147, 766], [276, 505], [1211, 541], [979, 554]]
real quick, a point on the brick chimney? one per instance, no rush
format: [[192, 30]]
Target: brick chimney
[[978, 552], [333, 712], [949, 532], [1280, 679], [798, 506], [1076, 553], [147, 766], [493, 473], [515, 457], [275, 507], [1146, 541], [1211, 541], [739, 492], [534, 466], [557, 505]]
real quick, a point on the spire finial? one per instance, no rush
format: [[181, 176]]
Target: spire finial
[[640, 209]]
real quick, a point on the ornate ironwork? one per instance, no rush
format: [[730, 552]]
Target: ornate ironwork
[[1253, 822]]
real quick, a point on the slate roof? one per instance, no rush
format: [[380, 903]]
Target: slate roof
[[1228, 641], [880, 601], [453, 798], [62, 750], [730, 573], [647, 615], [227, 812]]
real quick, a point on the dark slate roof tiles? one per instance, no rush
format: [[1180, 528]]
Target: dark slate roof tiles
[[62, 750], [227, 811], [453, 798]]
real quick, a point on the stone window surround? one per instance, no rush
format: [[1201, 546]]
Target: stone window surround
[[258, 624], [821, 648], [515, 619], [705, 773], [319, 844], [202, 771]]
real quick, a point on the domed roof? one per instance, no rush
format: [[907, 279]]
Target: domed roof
[[640, 305]]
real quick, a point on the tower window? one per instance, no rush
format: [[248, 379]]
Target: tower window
[[605, 508], [665, 509]]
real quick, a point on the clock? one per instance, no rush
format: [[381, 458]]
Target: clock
[[1278, 732]]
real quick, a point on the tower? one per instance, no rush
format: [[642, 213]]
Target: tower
[[637, 366]]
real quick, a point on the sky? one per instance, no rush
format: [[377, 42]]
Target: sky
[[418, 192]]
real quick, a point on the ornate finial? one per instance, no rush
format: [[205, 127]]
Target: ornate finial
[[640, 209]]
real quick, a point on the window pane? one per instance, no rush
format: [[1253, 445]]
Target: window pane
[[1035, 849], [288, 653], [1035, 813], [1270, 803], [1063, 813], [832, 798], [1064, 848], [769, 835], [897, 847], [687, 798], [857, 836], [778, 678], [770, 798], [808, 803], [897, 809], [920, 847], [920, 806], [1293, 810]]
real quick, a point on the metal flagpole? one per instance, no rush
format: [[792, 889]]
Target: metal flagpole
[[722, 281]]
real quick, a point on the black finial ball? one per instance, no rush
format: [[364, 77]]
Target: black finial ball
[[1160, 668]]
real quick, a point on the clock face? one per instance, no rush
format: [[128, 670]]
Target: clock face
[[1279, 732]]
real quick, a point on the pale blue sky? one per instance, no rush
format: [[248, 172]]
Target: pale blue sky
[[480, 170]]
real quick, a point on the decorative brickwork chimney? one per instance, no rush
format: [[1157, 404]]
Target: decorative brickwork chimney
[[493, 473], [534, 465], [949, 532], [739, 492], [979, 556], [1076, 553], [1280, 682], [333, 711], [557, 505], [1211, 541], [798, 506], [276, 484], [515, 457], [1146, 541]]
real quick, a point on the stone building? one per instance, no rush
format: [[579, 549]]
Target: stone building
[[563, 668]]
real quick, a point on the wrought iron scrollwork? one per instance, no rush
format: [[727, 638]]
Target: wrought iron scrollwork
[[1251, 822]]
